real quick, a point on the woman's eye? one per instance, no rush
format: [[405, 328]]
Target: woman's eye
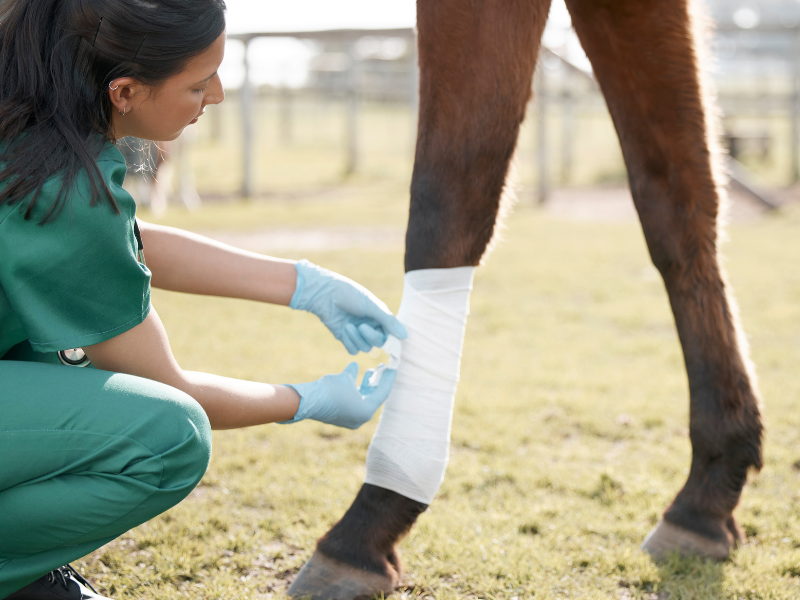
[[200, 91]]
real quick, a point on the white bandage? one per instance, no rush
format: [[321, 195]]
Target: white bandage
[[409, 451]]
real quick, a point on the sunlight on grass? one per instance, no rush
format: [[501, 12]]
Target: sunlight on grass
[[569, 436]]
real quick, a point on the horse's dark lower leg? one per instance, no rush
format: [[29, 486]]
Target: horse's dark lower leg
[[646, 55], [476, 65], [379, 518]]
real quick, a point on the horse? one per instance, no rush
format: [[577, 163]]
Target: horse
[[476, 61]]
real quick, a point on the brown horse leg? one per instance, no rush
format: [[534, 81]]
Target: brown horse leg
[[476, 64], [645, 54]]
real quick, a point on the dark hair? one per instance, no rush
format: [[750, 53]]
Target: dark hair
[[57, 59]]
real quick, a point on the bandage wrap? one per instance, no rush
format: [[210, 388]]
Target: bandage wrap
[[409, 451]]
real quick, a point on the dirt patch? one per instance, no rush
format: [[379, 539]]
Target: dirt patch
[[614, 204], [598, 204]]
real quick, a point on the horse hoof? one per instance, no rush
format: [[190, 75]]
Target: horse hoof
[[666, 537], [324, 578]]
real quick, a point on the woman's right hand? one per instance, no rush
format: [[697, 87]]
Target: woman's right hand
[[353, 314], [337, 400]]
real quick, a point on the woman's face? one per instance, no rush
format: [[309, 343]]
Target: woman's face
[[161, 112]]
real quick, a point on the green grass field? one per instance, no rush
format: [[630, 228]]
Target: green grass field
[[569, 436]]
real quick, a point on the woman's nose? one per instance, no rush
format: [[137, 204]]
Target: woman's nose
[[217, 93]]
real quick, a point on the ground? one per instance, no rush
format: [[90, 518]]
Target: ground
[[569, 435]]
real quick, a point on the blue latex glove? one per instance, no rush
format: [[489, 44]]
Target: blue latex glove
[[352, 313], [335, 399]]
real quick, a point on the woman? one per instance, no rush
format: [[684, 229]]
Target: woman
[[88, 453]]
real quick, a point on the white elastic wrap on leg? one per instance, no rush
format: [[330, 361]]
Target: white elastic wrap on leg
[[409, 451]]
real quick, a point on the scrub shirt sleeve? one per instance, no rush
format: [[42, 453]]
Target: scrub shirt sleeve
[[76, 281]]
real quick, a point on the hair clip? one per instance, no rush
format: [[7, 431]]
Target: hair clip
[[97, 32], [139, 48]]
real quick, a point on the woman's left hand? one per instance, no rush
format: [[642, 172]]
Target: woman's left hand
[[337, 399], [351, 312]]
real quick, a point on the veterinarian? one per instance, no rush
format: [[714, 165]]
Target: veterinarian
[[89, 453]]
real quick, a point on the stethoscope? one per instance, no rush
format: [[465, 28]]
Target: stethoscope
[[76, 357]]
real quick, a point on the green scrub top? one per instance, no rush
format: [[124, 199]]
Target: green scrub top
[[75, 281]]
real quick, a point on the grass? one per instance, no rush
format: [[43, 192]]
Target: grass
[[569, 436]]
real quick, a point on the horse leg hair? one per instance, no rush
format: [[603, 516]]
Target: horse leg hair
[[647, 56]]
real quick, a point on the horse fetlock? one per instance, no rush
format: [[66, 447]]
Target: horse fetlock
[[726, 433]]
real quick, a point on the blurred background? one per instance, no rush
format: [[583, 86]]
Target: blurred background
[[322, 95]]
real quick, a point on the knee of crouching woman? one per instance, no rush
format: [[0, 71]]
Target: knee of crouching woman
[[188, 452]]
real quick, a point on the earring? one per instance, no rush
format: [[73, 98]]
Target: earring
[[124, 108]]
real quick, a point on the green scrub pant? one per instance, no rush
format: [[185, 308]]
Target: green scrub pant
[[86, 455]]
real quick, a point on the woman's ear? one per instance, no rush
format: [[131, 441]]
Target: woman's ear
[[122, 91]]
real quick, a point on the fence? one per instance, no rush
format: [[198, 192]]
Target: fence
[[331, 127]]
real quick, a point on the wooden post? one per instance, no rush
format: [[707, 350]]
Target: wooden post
[[541, 131], [351, 110], [247, 126]]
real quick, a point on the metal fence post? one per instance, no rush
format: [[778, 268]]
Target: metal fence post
[[567, 128], [247, 125], [414, 94], [795, 147], [351, 110], [216, 123], [541, 131], [285, 99]]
